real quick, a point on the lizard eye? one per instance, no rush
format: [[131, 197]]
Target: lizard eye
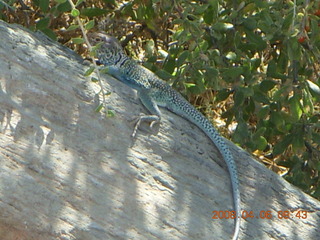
[[97, 39]]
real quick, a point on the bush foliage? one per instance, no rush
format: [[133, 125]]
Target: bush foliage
[[256, 62]]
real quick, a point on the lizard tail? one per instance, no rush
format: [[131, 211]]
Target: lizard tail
[[186, 110]]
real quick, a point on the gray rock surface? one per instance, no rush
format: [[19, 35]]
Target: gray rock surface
[[67, 172]]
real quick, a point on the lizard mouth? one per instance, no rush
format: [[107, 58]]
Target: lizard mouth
[[108, 41]]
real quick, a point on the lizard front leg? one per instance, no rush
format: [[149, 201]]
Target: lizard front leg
[[151, 105]]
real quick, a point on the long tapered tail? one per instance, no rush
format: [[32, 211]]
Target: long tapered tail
[[186, 110]]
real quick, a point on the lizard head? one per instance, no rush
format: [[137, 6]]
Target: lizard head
[[108, 49]]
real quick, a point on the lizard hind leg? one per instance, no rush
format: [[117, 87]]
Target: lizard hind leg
[[153, 119], [151, 105]]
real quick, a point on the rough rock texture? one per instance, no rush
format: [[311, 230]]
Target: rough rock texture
[[66, 172]]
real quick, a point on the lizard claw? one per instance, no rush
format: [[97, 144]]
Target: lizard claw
[[153, 119]]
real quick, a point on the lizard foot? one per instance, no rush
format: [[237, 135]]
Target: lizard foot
[[153, 119]]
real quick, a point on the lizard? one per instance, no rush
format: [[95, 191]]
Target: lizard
[[154, 92]]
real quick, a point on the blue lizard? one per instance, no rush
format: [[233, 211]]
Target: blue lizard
[[154, 92]]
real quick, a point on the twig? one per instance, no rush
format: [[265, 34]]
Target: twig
[[92, 58]]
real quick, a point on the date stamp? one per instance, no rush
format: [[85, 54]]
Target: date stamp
[[268, 214]]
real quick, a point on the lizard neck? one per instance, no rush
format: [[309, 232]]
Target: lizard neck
[[121, 61]]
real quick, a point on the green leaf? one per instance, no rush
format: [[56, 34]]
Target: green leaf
[[43, 23], [314, 88], [282, 146], [95, 80], [89, 25], [239, 98], [163, 53], [264, 112], [64, 7], [287, 22], [241, 133], [316, 138], [110, 113], [277, 119], [104, 70], [211, 77], [315, 31], [267, 85], [223, 94], [200, 9], [193, 88], [307, 104], [44, 5], [72, 27], [93, 12], [250, 23], [61, 1], [163, 74], [260, 132], [249, 109], [89, 71], [298, 141], [258, 141], [255, 63], [294, 49], [256, 40], [169, 64], [75, 12], [78, 3], [98, 109], [94, 48], [250, 7], [215, 5], [265, 16], [261, 97], [272, 70], [189, 85], [283, 91], [295, 108], [232, 72], [113, 2], [231, 56], [49, 33], [316, 194], [209, 15], [182, 58], [77, 40], [261, 143], [222, 27]]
